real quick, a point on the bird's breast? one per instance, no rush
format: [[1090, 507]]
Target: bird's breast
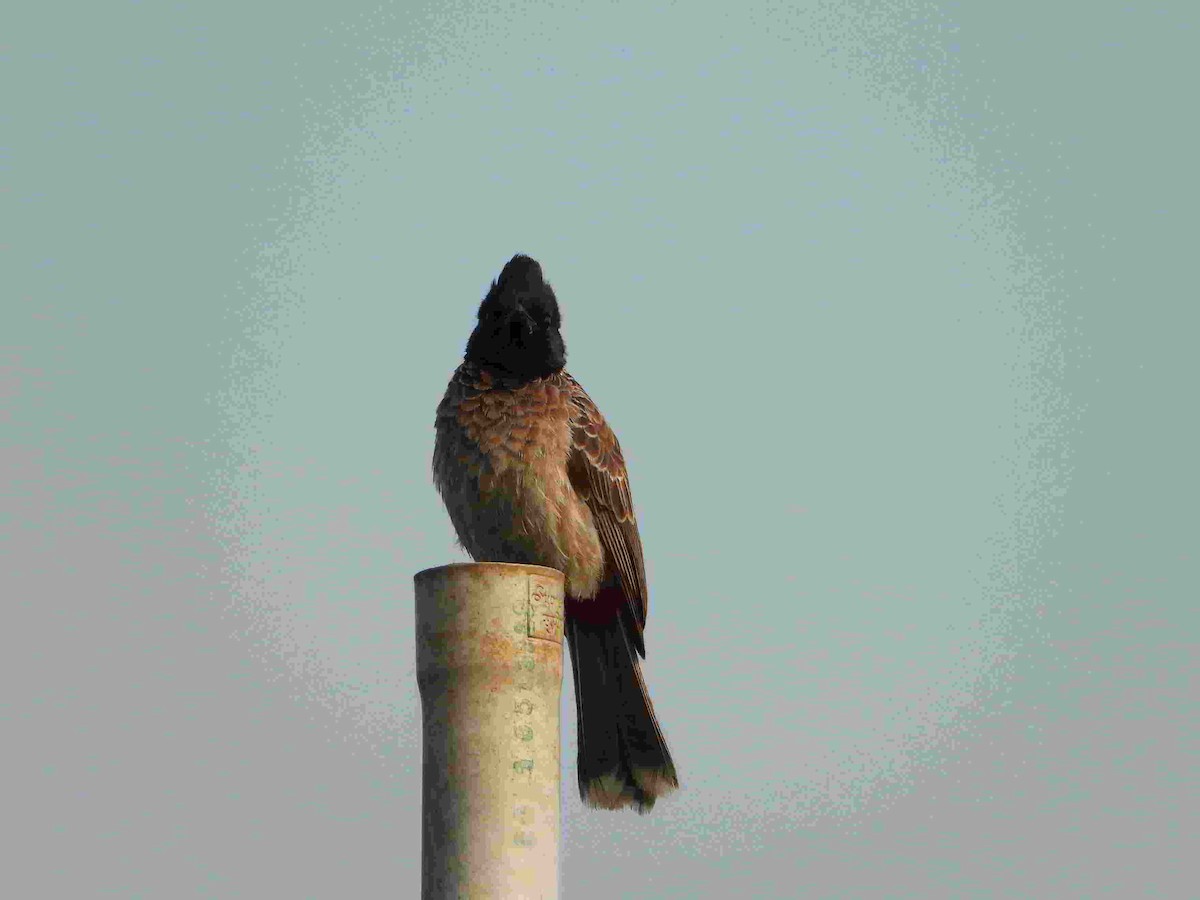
[[514, 501]]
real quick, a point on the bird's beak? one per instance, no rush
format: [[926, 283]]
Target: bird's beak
[[526, 318]]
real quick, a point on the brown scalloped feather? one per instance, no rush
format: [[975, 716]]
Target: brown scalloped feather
[[596, 469], [500, 463]]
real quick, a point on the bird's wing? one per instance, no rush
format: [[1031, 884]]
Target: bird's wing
[[596, 469]]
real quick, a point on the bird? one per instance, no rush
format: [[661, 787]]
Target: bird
[[530, 472]]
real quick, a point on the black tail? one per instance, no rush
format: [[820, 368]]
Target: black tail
[[623, 758]]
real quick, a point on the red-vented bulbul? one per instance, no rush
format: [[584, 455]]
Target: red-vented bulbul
[[531, 473]]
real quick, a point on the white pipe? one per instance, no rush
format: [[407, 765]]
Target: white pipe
[[489, 668]]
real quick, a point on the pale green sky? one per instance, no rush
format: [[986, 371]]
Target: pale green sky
[[884, 300]]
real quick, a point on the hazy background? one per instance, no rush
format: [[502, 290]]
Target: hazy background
[[891, 304]]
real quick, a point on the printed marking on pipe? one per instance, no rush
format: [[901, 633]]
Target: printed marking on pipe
[[538, 617], [545, 612], [524, 813], [523, 731]]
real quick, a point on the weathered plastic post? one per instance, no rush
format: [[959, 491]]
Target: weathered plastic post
[[489, 668]]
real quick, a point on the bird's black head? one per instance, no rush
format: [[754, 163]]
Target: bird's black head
[[518, 324]]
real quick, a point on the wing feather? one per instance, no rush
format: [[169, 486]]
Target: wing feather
[[597, 471]]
